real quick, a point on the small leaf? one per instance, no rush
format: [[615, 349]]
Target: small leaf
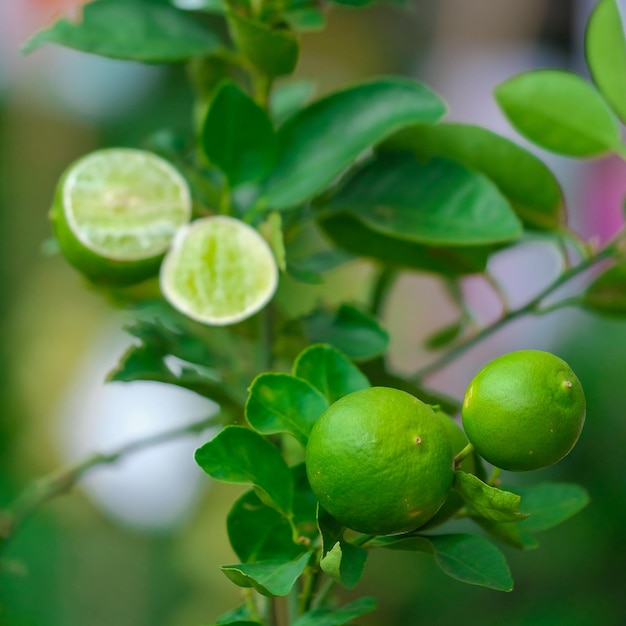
[[438, 202], [269, 578], [337, 617], [237, 136], [273, 52], [280, 403], [240, 615], [605, 48], [489, 502], [329, 371], [444, 336], [539, 104], [320, 141], [135, 31], [355, 333], [240, 455], [607, 293], [306, 18]]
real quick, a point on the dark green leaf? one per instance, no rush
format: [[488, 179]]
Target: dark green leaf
[[304, 505], [530, 186], [273, 52], [269, 578], [329, 371], [306, 18], [320, 141], [238, 136], [337, 617], [605, 48], [272, 231], [355, 333], [136, 31], [488, 502], [309, 269], [240, 615], [438, 203], [468, 558], [607, 293], [510, 533], [280, 403], [240, 455], [287, 98], [444, 336], [539, 104]]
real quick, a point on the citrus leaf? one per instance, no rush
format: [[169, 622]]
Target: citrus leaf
[[240, 616], [289, 97], [444, 336], [309, 269], [237, 136], [269, 578], [489, 502], [240, 455], [607, 293], [329, 371], [306, 18], [525, 180], [337, 616], [209, 6], [468, 558], [355, 333], [273, 52], [539, 105], [509, 533], [131, 30], [605, 49], [321, 140], [280, 403], [434, 203]]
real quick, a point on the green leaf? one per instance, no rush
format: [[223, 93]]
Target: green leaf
[[209, 6], [539, 104], [306, 18], [509, 533], [329, 371], [607, 293], [489, 502], [355, 333], [605, 48], [269, 578], [272, 231], [240, 455], [526, 181], [337, 617], [438, 202], [287, 98], [322, 140], [468, 558], [444, 336], [237, 136], [273, 52], [352, 235], [136, 31], [280, 403], [309, 269]]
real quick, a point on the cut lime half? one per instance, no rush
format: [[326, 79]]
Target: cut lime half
[[116, 212], [219, 271]]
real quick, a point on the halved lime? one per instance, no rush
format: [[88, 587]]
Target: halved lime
[[219, 271], [116, 212]]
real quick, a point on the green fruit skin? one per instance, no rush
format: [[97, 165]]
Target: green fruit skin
[[349, 475], [524, 411]]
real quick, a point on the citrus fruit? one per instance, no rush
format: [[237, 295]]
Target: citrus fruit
[[524, 410], [219, 271], [379, 461], [116, 212]]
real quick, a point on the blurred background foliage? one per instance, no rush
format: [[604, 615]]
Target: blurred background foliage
[[140, 544]]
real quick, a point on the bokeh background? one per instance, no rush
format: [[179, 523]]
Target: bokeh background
[[139, 544]]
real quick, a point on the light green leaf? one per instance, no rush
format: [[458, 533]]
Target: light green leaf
[[240, 455], [269, 578], [237, 136], [488, 502], [287, 98], [540, 105], [280, 403], [320, 141], [337, 616], [131, 30], [438, 203], [605, 48], [305, 18], [607, 293], [526, 181], [329, 371]]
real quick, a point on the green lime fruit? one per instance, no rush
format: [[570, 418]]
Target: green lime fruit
[[116, 212], [219, 271], [524, 410], [379, 461]]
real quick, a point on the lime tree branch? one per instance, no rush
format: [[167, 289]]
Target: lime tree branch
[[62, 480]]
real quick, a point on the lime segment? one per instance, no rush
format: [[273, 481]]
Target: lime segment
[[219, 271]]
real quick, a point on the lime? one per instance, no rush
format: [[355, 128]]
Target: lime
[[219, 271], [379, 461], [116, 212], [524, 410]]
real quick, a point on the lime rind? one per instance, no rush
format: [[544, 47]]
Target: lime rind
[[219, 271]]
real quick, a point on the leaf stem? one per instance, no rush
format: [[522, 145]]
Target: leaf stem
[[463, 454], [382, 286]]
